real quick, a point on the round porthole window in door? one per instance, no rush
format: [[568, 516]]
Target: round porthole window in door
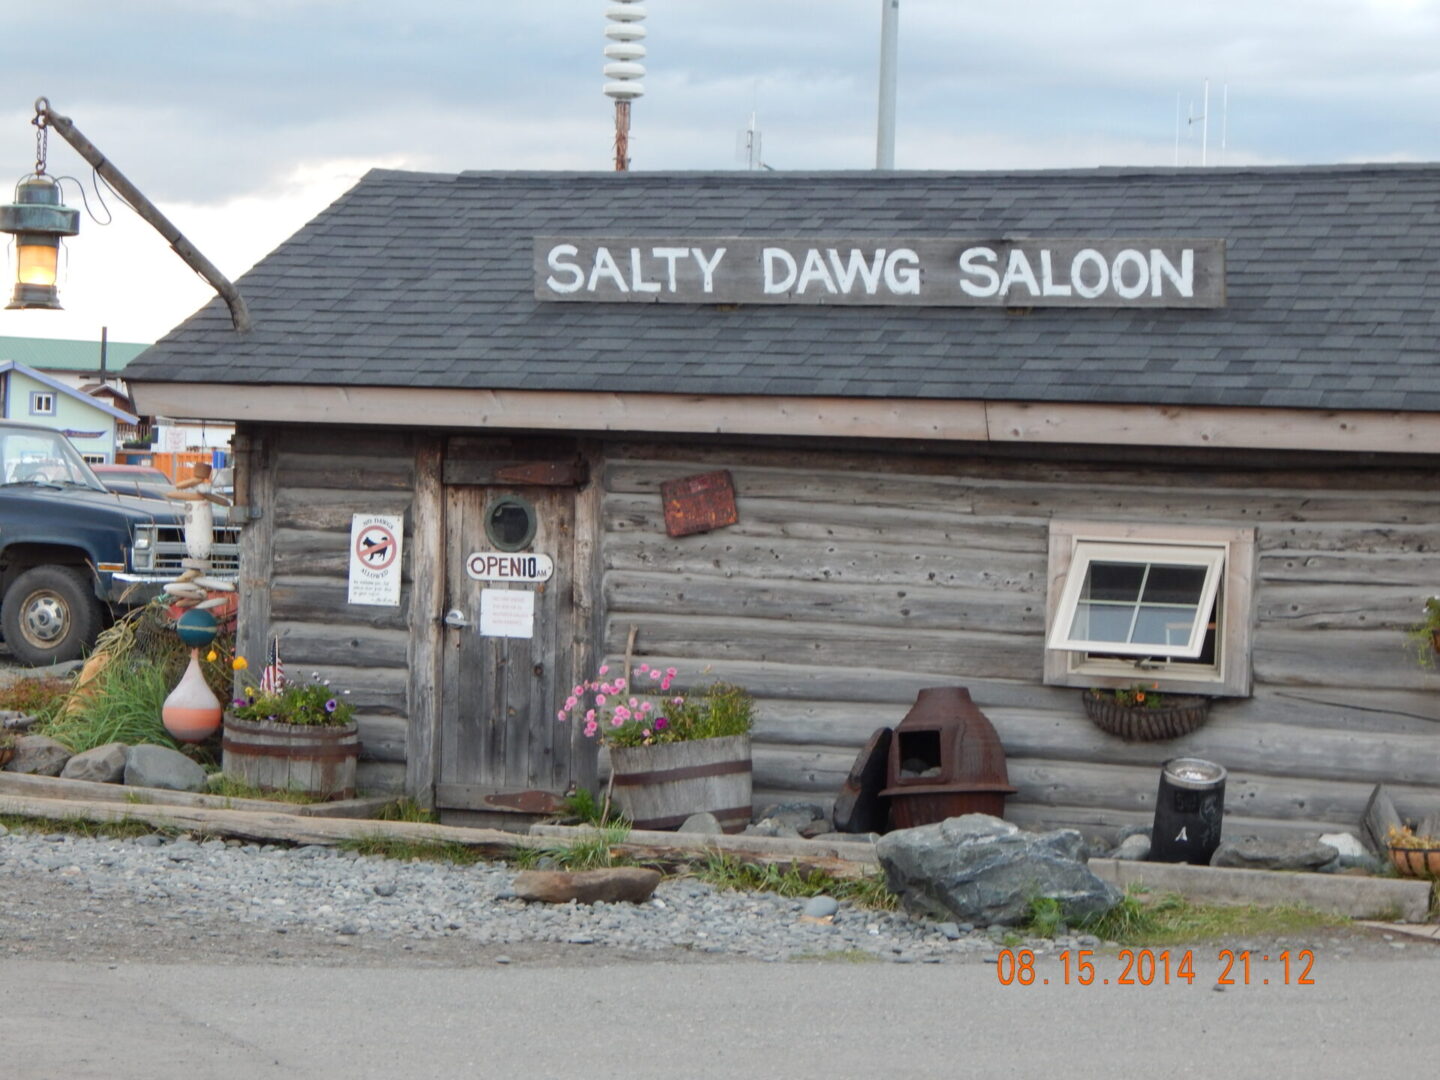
[[510, 523]]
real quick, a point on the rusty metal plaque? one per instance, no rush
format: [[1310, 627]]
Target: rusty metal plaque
[[696, 504], [526, 802]]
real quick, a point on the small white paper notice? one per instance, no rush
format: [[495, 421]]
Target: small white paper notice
[[507, 613]]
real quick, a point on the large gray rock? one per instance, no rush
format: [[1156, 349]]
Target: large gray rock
[[161, 767], [1254, 853], [980, 869], [102, 765], [38, 755]]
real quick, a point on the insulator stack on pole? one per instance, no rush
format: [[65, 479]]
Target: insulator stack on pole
[[624, 51]]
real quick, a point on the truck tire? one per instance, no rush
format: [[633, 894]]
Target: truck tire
[[49, 615]]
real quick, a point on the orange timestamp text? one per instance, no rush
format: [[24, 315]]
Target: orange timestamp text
[[1146, 967]]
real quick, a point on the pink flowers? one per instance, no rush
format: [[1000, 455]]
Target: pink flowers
[[628, 711]]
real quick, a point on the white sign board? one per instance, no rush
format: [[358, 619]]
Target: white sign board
[[504, 566], [172, 439], [507, 613], [375, 559]]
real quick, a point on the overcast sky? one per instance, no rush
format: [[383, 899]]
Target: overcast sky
[[244, 118]]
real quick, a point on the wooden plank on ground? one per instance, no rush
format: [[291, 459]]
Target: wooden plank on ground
[[51, 787]]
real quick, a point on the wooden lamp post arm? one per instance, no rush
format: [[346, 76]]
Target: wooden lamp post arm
[[239, 313]]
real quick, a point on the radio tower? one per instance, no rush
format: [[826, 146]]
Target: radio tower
[[624, 70]]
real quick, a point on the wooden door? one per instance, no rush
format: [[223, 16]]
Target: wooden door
[[500, 737]]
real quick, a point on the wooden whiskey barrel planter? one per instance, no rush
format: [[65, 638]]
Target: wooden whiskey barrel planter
[[658, 787], [1135, 723], [311, 759]]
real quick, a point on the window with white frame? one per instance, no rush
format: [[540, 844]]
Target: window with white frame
[[42, 403], [1165, 605]]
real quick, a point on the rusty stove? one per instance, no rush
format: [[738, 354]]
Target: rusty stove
[[945, 760]]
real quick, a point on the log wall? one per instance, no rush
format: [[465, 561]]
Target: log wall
[[295, 564], [852, 580]]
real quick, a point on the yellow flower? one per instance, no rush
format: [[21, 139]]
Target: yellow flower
[[239, 663], [249, 691], [212, 656]]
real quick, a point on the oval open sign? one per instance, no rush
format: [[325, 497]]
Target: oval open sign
[[505, 566]]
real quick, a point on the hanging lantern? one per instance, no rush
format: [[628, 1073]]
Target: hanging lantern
[[37, 220]]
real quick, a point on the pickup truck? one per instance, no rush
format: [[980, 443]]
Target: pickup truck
[[73, 554]]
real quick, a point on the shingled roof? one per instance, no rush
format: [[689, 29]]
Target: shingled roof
[[426, 280]]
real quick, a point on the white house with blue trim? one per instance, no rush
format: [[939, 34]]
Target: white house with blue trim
[[36, 398]]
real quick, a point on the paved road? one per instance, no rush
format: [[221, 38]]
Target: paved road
[[678, 1021]]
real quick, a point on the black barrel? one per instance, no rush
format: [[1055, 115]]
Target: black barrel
[[1188, 808]]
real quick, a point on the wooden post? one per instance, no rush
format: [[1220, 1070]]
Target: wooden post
[[426, 552], [256, 550]]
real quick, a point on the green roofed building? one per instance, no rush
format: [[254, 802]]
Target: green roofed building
[[60, 354]]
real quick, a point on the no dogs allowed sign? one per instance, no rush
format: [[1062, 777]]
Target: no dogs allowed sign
[[375, 559]]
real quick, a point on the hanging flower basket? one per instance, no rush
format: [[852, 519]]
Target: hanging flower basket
[[1179, 715], [1416, 862]]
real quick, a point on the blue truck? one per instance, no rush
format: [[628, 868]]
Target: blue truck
[[73, 555]]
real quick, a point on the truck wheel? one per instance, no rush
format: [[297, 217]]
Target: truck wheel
[[50, 614]]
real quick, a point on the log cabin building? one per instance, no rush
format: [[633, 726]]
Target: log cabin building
[[1022, 432]]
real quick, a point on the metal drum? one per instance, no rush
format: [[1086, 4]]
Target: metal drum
[[1188, 809]]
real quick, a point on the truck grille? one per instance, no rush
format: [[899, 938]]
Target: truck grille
[[167, 548]]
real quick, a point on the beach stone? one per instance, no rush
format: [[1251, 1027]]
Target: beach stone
[[38, 755], [979, 868], [792, 815], [1254, 853], [1134, 848], [102, 765], [161, 767], [821, 907], [624, 884], [703, 824]]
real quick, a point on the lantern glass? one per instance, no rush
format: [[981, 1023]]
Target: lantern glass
[[37, 261]]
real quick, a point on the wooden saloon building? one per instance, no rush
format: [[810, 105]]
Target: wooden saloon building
[[959, 413]]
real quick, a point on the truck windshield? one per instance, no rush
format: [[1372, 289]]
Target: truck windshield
[[33, 456]]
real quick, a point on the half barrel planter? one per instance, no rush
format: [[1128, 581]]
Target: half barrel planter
[[310, 759], [658, 787]]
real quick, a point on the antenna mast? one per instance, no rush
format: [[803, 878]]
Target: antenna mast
[[624, 70]]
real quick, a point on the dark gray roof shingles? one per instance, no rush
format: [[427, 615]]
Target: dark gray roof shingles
[[416, 279]]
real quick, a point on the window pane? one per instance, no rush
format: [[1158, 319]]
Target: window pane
[[1174, 584], [1168, 625], [1117, 582], [1101, 622]]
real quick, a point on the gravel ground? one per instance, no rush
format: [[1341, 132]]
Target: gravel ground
[[179, 901], [217, 887]]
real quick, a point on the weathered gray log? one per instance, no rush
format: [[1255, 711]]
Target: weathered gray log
[[307, 643], [44, 787]]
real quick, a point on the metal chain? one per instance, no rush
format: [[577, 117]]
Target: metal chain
[[42, 136]]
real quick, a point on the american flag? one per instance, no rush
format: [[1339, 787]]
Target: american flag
[[272, 680]]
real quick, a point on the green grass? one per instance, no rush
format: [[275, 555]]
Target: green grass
[[407, 809], [122, 705], [124, 829], [728, 872], [1168, 919], [412, 850], [232, 787]]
